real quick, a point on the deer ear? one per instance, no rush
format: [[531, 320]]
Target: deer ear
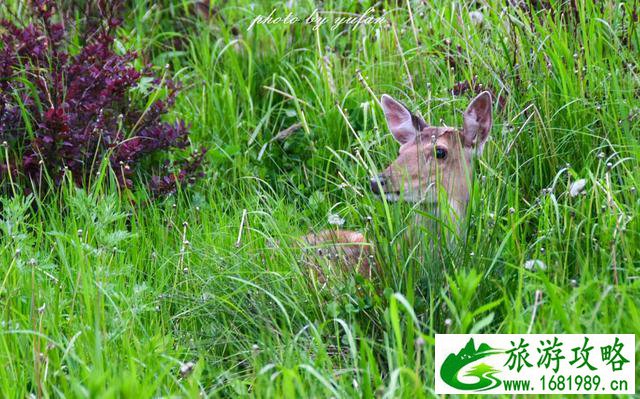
[[478, 121], [403, 124]]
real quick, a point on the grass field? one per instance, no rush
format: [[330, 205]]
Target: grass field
[[202, 294]]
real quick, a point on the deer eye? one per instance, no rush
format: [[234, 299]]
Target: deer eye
[[441, 153]]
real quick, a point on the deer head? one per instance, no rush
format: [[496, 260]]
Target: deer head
[[433, 160]]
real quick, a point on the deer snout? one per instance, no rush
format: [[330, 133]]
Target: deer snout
[[377, 184]]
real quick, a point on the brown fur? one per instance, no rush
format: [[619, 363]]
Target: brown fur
[[417, 172], [344, 248]]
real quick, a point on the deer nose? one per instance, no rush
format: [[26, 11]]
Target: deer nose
[[377, 184]]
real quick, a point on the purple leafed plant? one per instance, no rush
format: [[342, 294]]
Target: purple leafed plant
[[66, 112]]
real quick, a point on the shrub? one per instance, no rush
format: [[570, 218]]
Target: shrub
[[69, 108]]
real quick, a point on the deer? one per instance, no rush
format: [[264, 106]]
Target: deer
[[434, 167]]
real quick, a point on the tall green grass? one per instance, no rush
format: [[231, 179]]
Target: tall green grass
[[104, 294]]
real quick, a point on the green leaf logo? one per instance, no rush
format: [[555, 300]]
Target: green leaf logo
[[454, 363]]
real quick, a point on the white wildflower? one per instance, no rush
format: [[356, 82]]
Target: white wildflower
[[535, 264], [335, 220], [577, 187], [476, 17], [186, 369]]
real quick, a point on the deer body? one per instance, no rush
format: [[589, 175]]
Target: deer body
[[433, 164]]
